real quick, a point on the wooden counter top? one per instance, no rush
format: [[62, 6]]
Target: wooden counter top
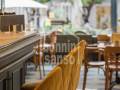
[[7, 38], [16, 49]]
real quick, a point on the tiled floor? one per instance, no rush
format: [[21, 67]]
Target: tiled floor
[[95, 80]]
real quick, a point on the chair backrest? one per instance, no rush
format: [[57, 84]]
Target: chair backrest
[[80, 33], [89, 52], [53, 37], [53, 81], [81, 57], [66, 65], [75, 73], [87, 38], [115, 37], [112, 56], [103, 38], [82, 44]]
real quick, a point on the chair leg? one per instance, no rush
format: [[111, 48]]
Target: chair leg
[[35, 61], [107, 81], [102, 70], [43, 67], [110, 80], [85, 77], [40, 71], [39, 65], [98, 70], [53, 61]]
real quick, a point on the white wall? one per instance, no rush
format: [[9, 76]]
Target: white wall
[[77, 14], [92, 18]]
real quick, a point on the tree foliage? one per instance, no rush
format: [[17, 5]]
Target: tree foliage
[[43, 1], [87, 2]]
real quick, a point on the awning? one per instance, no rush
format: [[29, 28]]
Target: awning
[[23, 4]]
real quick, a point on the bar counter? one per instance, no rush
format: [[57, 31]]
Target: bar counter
[[15, 50]]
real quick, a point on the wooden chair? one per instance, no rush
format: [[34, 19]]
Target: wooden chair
[[112, 59], [66, 65], [78, 55], [88, 63], [115, 38], [38, 57], [53, 81], [53, 40], [39, 49], [80, 59], [69, 65]]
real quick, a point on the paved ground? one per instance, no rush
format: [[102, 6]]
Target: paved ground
[[95, 80]]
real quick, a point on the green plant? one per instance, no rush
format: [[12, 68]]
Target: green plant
[[43, 1], [88, 2]]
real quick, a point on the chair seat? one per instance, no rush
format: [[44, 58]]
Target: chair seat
[[93, 63], [31, 85], [114, 67]]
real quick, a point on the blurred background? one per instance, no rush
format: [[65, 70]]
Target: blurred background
[[67, 16]]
